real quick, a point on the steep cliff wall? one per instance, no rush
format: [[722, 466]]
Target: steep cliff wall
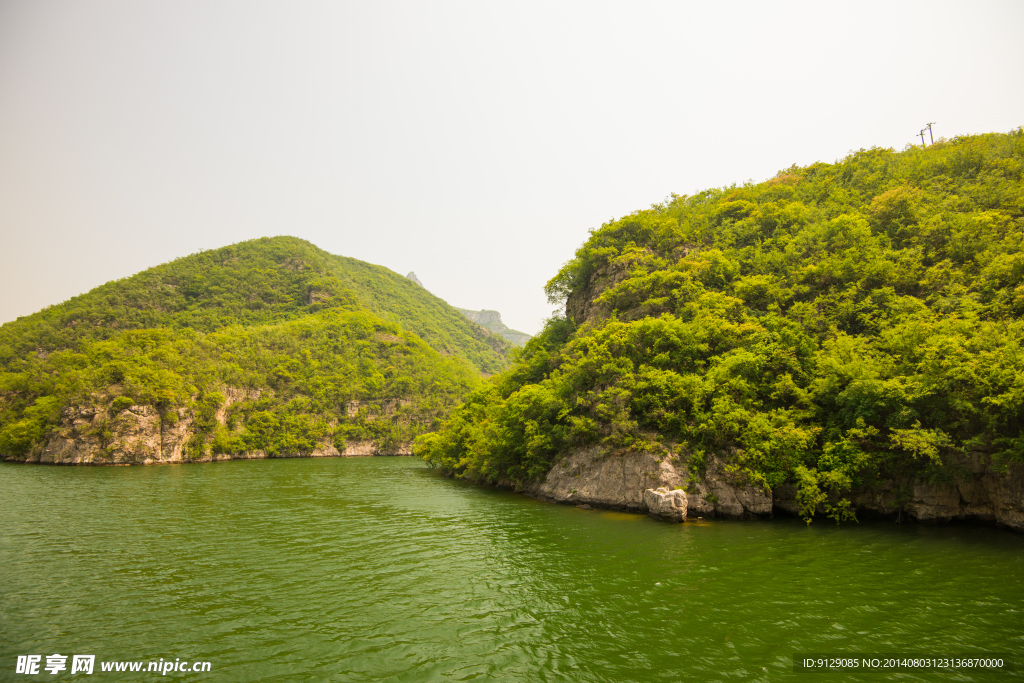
[[592, 477], [140, 435], [983, 491]]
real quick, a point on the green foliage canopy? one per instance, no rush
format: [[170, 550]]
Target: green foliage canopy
[[304, 331], [836, 325]]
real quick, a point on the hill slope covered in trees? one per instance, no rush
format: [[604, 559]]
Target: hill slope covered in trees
[[270, 345], [838, 325]]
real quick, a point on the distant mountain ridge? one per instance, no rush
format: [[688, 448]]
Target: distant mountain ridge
[[489, 320]]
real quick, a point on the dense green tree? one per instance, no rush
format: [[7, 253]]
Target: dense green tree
[[837, 324]]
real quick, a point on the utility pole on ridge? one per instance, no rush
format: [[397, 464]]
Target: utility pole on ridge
[[922, 138], [930, 136]]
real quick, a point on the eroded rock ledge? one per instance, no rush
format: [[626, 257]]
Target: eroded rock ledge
[[139, 436], [592, 477]]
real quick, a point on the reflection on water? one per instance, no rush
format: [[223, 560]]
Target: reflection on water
[[621, 516], [379, 569]]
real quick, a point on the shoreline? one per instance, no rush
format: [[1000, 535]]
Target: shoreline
[[590, 476], [248, 455]]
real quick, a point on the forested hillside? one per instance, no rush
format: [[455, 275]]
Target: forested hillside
[[324, 349], [837, 325], [251, 283]]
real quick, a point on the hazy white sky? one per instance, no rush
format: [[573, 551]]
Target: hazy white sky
[[474, 143]]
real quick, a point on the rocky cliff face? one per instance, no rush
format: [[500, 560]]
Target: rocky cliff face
[[619, 482], [491, 320], [983, 492], [582, 305], [589, 476], [139, 435]]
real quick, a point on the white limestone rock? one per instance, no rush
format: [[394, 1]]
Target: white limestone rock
[[666, 504], [600, 479]]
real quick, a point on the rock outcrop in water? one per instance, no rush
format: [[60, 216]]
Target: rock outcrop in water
[[632, 482], [618, 482], [666, 504]]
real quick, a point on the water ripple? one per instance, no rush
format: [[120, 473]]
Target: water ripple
[[380, 570]]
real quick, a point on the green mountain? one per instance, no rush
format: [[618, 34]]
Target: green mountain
[[838, 326], [270, 346]]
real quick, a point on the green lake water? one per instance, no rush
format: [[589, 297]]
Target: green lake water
[[378, 569]]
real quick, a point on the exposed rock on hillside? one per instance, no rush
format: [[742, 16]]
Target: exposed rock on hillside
[[377, 409], [626, 482], [491, 320], [583, 305], [139, 435], [617, 482], [412, 276], [983, 492]]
